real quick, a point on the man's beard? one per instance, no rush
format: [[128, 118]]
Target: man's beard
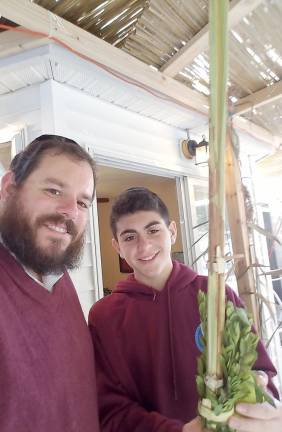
[[21, 239]]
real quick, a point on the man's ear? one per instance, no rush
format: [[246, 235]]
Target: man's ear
[[8, 185], [116, 246], [173, 231]]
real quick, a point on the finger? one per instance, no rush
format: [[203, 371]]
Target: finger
[[243, 424], [263, 411]]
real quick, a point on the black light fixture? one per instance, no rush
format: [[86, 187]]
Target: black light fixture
[[198, 151]]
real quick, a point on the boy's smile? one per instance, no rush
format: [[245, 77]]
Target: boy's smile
[[149, 258], [144, 240]]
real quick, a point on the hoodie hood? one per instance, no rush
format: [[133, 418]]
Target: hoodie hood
[[177, 279]]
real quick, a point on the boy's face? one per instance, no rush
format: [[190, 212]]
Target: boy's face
[[144, 240]]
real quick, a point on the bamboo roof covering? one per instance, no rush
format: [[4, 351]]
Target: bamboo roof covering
[[111, 20], [164, 28], [255, 53]]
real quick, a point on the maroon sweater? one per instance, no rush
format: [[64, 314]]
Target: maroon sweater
[[146, 345], [47, 376]]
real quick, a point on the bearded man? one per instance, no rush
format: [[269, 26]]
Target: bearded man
[[47, 375]]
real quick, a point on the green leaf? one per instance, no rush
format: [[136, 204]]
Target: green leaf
[[201, 387]]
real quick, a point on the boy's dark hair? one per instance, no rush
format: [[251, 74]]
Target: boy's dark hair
[[25, 162], [137, 199]]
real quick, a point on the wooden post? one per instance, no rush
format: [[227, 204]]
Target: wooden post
[[239, 231]]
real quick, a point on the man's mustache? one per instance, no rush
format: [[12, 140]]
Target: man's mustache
[[58, 219]]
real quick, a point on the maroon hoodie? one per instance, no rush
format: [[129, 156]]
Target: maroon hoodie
[[146, 344]]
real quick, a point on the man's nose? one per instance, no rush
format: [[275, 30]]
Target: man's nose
[[68, 207]]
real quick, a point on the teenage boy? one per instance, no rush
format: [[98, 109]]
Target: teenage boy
[[47, 374], [146, 333]]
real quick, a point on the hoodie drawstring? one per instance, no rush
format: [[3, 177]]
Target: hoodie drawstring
[[172, 354]]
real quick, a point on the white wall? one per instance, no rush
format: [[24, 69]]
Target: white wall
[[20, 109], [113, 132], [116, 133]]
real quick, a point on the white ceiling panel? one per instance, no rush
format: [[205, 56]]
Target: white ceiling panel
[[54, 62]]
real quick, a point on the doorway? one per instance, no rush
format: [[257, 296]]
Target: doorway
[[5, 156], [113, 181]]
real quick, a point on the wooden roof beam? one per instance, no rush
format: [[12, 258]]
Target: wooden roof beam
[[199, 43], [262, 97], [12, 42], [241, 124]]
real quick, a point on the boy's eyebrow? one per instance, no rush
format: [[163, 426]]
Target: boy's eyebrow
[[152, 223], [127, 231], [133, 231]]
